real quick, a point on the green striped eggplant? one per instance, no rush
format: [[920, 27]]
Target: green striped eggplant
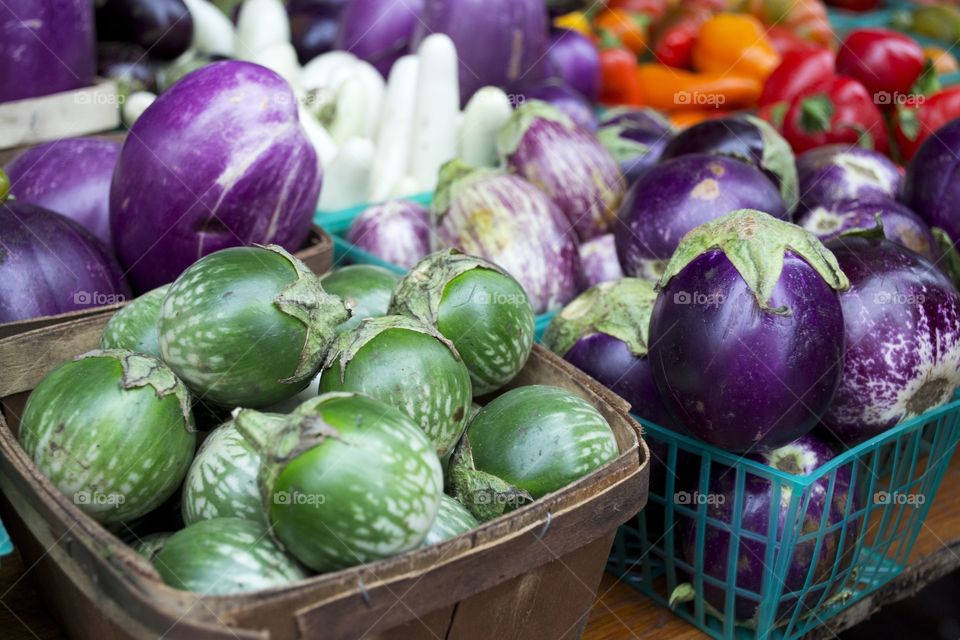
[[224, 556], [476, 305], [135, 326], [365, 288], [248, 326], [346, 480], [408, 365], [113, 431], [452, 520]]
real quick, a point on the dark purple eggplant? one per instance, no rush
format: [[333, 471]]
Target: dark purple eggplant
[[566, 100], [164, 28], [839, 172], [676, 196], [379, 31], [573, 57], [931, 187], [636, 138], [598, 261], [746, 337], [128, 65], [313, 27]]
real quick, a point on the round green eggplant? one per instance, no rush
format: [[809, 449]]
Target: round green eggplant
[[408, 365], [452, 520], [150, 545], [113, 431], [526, 443], [247, 326], [224, 556], [365, 288], [346, 480], [476, 305], [135, 326]]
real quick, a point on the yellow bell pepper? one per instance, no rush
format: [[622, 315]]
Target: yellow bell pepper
[[576, 20], [735, 43]]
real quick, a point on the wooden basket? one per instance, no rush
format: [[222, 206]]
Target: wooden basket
[[531, 574]]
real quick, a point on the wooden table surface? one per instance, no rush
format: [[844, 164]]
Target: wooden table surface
[[619, 612]]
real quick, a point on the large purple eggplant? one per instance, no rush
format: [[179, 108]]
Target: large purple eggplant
[[219, 160], [566, 100], [499, 42], [676, 196], [746, 138], [378, 31], [598, 261], [746, 337], [397, 231], [902, 326], [839, 172], [900, 224], [71, 177], [802, 457], [47, 46], [931, 187], [505, 219], [636, 138], [573, 57], [566, 162], [162, 27]]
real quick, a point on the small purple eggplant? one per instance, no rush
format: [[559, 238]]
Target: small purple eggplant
[[313, 27], [598, 261], [574, 58], [636, 138], [379, 31], [746, 337], [568, 101], [397, 231], [903, 339], [566, 162], [839, 172], [676, 196], [931, 187]]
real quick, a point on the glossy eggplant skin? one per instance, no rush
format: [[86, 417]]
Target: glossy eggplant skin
[[128, 65], [931, 187], [163, 27], [313, 27]]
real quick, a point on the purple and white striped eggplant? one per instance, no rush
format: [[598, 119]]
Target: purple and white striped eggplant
[[902, 326], [900, 224], [565, 99], [802, 457], [930, 187], [566, 162], [599, 261], [636, 138], [508, 221], [844, 172], [680, 194], [397, 231], [746, 336]]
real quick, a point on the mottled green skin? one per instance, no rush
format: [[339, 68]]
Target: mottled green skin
[[135, 326], [101, 444], [365, 288], [224, 556], [370, 492], [452, 520], [540, 439]]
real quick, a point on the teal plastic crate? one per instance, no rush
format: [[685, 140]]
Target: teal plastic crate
[[882, 515], [337, 222], [6, 546]]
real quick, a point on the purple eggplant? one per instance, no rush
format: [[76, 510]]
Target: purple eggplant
[[566, 100], [598, 261], [844, 172], [636, 138], [574, 58], [746, 138], [499, 42], [508, 221], [71, 177], [379, 31], [931, 187], [903, 339], [566, 162], [313, 27], [47, 46], [164, 28], [397, 231], [746, 337], [802, 457], [603, 332], [900, 224], [128, 65], [219, 160], [676, 196]]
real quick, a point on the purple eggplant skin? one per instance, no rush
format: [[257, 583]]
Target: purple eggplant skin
[[51, 265], [680, 194], [313, 27], [47, 46], [903, 339], [839, 172], [71, 177], [900, 224], [801, 457], [565, 161], [599, 262], [636, 138], [574, 58], [128, 65], [164, 28], [378, 31], [203, 170], [568, 101], [931, 187], [499, 42], [397, 231]]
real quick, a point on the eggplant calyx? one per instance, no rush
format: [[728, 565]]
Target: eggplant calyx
[[816, 114], [755, 243], [485, 495], [683, 592], [620, 147], [951, 258], [523, 118], [778, 158], [871, 233], [452, 174], [620, 309], [4, 185]]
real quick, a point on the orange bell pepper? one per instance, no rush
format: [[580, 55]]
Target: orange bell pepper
[[943, 61], [670, 89], [689, 117], [576, 20], [627, 27], [735, 43]]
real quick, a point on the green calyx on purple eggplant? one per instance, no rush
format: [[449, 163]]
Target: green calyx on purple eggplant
[[453, 175], [523, 117], [4, 185]]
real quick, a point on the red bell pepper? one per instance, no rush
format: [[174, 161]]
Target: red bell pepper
[[786, 40], [675, 35], [886, 62], [618, 74], [915, 121], [798, 72], [840, 111]]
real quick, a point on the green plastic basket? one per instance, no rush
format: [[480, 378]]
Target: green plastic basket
[[889, 473], [6, 546]]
